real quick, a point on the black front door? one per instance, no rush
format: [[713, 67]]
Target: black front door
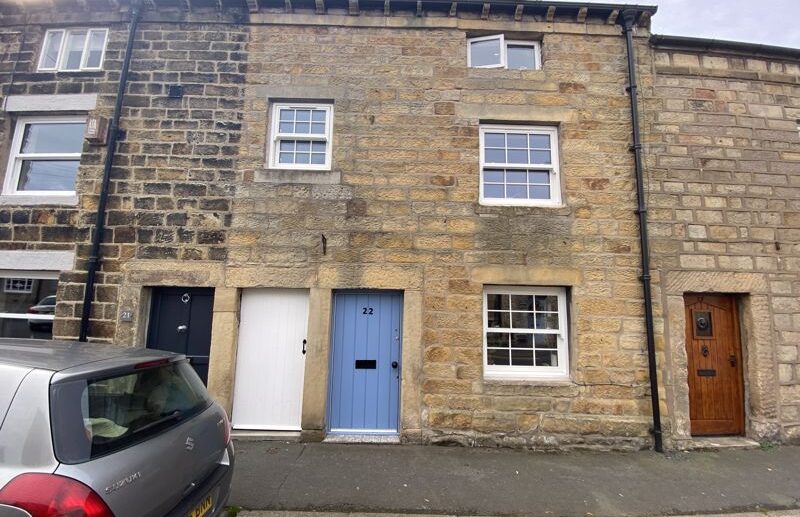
[[180, 321]]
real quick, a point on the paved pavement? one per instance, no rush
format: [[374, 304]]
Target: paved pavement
[[461, 481]]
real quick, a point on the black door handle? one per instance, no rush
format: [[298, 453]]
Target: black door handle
[[732, 359], [304, 347], [394, 364]]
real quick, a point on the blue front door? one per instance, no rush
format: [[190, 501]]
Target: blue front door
[[365, 362]]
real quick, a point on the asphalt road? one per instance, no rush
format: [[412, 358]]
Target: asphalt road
[[443, 480]]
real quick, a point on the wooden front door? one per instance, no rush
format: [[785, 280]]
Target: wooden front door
[[713, 347]]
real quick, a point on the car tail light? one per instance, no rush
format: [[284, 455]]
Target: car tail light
[[227, 424], [31, 310], [49, 495]]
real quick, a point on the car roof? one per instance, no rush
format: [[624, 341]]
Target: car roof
[[62, 355]]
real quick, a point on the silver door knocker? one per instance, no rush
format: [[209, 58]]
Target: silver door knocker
[[185, 298]]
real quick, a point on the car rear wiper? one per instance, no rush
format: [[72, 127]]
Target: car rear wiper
[[168, 417]]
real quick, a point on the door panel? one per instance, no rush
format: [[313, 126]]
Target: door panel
[[713, 348], [365, 363], [180, 322], [270, 363]]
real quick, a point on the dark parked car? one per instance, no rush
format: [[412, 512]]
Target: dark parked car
[[107, 431]]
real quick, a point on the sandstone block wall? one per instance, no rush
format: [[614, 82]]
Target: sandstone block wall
[[723, 171]]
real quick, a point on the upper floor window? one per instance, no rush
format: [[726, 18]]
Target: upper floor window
[[519, 166], [73, 50], [45, 154], [525, 332], [301, 136], [497, 52]]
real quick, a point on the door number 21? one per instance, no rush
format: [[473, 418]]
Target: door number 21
[[366, 310]]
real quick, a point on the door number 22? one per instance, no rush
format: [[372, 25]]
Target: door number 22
[[366, 310]]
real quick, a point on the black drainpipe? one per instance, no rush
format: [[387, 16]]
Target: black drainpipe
[[628, 20], [111, 147]]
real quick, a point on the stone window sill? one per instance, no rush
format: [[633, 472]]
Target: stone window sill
[[23, 200], [556, 382], [265, 175]]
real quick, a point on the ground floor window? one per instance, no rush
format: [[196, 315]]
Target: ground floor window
[[27, 304], [525, 332]]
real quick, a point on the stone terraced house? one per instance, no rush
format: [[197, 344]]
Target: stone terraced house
[[413, 220]]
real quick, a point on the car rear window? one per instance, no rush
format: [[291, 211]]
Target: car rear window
[[95, 417]]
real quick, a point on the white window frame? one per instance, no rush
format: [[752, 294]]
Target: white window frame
[[16, 158], [276, 136], [537, 51], [553, 168], [84, 55], [38, 275], [8, 285], [547, 373]]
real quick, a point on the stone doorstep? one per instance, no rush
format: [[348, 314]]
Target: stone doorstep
[[266, 436], [285, 513], [392, 439], [714, 443]]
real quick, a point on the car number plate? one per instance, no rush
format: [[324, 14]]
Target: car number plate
[[203, 508]]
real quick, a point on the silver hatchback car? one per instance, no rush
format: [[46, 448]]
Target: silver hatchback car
[[105, 431]]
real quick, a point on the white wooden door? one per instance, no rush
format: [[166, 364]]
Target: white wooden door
[[270, 363]]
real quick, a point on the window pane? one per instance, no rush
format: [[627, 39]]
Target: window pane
[[495, 156], [318, 147], [517, 191], [516, 176], [539, 192], [540, 157], [303, 158], [97, 42], [304, 146], [521, 302], [541, 177], [286, 127], [522, 340], [539, 141], [494, 191], [485, 53], [318, 116], [521, 358], [545, 358], [517, 156], [497, 357], [547, 303], [302, 127], [50, 49], [547, 321], [546, 341], [497, 340], [318, 159], [318, 129], [287, 115], [522, 320], [495, 302], [494, 140], [517, 141], [303, 115], [498, 319], [32, 302], [493, 176], [521, 57], [287, 145], [74, 50], [52, 175], [53, 138], [285, 158]]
